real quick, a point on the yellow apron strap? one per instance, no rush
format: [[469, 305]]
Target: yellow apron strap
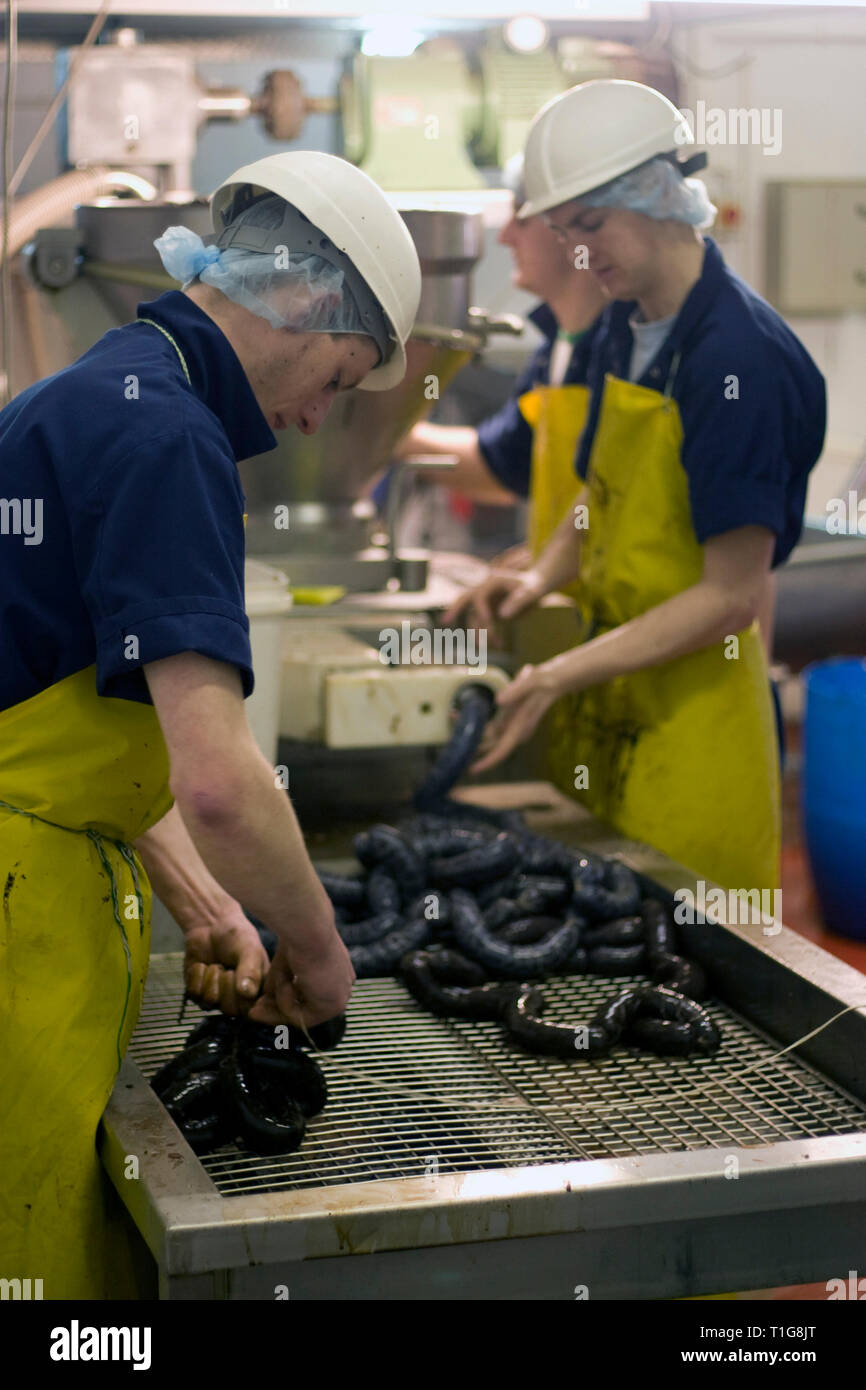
[[165, 333], [556, 415]]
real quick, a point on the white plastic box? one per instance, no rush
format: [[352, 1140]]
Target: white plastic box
[[267, 603]]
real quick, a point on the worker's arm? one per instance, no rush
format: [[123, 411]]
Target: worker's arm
[[225, 960], [245, 830], [726, 599], [471, 476], [507, 592]]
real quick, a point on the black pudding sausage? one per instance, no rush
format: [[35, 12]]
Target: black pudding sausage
[[205, 1055], [454, 969], [383, 891], [524, 931], [680, 1025], [479, 1003], [266, 1119], [295, 1072], [605, 889], [616, 1014], [677, 973], [620, 931], [616, 960], [380, 957], [370, 929], [197, 1108], [660, 1035], [476, 939], [523, 1021], [661, 938], [343, 892], [213, 1025], [383, 845], [475, 866], [474, 708]]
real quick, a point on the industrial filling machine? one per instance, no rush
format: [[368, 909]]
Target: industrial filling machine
[[447, 1163]]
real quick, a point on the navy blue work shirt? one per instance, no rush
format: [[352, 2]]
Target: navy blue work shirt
[[751, 400], [142, 508], [505, 439]]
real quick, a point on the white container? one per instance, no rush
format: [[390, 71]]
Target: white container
[[267, 603]]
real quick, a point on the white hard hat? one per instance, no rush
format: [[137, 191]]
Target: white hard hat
[[353, 212], [592, 133]]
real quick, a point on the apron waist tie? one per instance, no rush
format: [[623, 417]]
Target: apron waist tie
[[127, 854]]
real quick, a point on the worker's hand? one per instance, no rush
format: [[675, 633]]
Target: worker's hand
[[308, 992], [520, 708], [503, 594], [516, 557], [225, 963]]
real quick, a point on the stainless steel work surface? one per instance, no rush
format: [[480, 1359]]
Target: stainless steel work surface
[[458, 1166], [411, 1095]]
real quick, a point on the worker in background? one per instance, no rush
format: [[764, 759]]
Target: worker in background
[[509, 454], [706, 417], [125, 754]]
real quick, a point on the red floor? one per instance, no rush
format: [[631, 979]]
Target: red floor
[[802, 913]]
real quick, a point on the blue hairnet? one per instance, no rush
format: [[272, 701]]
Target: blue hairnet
[[290, 290], [657, 190]]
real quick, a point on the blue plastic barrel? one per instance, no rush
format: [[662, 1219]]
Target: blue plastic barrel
[[834, 790]]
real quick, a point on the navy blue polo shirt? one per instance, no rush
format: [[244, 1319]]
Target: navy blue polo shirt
[[751, 400], [142, 508], [505, 439]]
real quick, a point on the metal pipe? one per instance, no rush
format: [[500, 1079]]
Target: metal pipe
[[58, 198]]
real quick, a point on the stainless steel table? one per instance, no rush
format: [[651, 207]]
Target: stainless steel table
[[449, 1165]]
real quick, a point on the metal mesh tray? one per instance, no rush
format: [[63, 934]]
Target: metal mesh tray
[[412, 1095]]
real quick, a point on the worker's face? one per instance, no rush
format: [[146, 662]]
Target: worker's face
[[542, 264], [622, 247], [297, 376]]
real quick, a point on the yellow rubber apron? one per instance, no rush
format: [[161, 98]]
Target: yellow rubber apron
[[683, 755], [80, 777], [556, 415]]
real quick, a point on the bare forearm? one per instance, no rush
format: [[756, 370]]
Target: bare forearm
[[559, 562], [179, 875], [688, 622], [471, 476], [249, 836]]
